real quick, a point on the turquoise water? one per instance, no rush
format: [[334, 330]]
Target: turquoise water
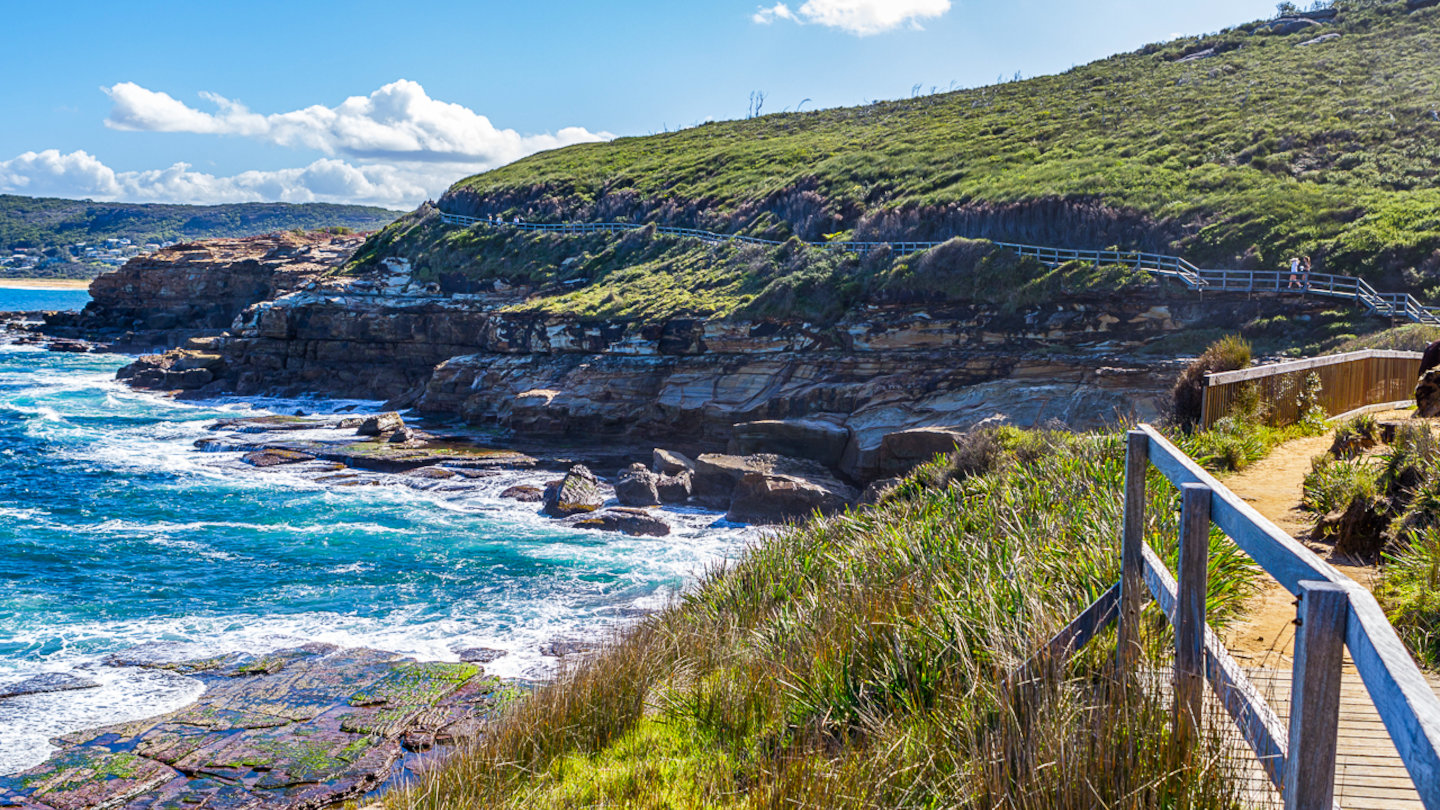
[[41, 300], [116, 532]]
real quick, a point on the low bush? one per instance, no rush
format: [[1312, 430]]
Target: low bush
[[1409, 590], [1227, 354], [1333, 483]]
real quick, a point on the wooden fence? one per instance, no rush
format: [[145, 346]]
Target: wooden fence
[[1333, 613], [1347, 381]]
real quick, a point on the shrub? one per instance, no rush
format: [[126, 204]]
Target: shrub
[[1355, 436], [1409, 591], [1227, 354], [1412, 458], [1333, 483]]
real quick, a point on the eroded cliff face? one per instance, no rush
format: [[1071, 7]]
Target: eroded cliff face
[[197, 288], [687, 382], [684, 383]]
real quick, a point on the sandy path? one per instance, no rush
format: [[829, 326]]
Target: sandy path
[[1274, 486]]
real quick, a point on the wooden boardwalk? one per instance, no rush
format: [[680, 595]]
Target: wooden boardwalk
[[1368, 772]]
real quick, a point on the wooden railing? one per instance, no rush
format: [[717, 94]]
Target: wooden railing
[[1334, 613], [1347, 381], [1395, 306]]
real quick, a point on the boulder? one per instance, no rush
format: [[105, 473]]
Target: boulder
[[525, 493], [578, 492], [380, 424], [671, 463], [674, 488], [797, 438], [717, 476], [770, 498], [904, 450], [877, 490], [275, 456], [1289, 25], [480, 655], [637, 486], [625, 519], [1427, 394]]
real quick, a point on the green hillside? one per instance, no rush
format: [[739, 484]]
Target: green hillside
[[40, 223], [1233, 149]]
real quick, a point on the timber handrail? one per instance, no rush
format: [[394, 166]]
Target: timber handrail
[[1396, 306], [1334, 613]]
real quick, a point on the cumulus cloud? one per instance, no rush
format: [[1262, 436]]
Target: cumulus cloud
[[859, 17], [394, 147], [80, 174], [399, 121]]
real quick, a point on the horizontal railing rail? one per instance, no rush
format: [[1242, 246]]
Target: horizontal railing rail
[[1396, 306], [1334, 613]]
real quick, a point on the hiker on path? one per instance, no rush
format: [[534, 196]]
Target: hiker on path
[[1294, 272], [1305, 273]]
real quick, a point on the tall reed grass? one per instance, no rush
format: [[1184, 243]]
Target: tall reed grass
[[865, 660]]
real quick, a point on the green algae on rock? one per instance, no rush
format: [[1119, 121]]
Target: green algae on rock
[[299, 728]]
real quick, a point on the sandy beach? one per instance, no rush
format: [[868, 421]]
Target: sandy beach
[[44, 283]]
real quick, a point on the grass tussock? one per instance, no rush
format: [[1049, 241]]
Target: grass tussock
[[864, 660]]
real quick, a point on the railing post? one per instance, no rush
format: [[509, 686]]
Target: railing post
[[1315, 696], [1132, 560], [1190, 612]]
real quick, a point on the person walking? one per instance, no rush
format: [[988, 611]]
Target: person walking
[[1305, 273], [1294, 272]]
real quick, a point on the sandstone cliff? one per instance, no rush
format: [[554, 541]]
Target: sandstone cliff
[[849, 394], [196, 288]]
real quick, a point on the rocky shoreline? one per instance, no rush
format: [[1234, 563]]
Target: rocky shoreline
[[759, 422], [300, 728]]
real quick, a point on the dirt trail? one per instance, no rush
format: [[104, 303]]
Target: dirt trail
[[1274, 486]]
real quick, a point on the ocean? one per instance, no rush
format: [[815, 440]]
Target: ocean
[[117, 532]]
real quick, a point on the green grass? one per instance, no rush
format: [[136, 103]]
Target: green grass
[[645, 276], [1265, 150], [861, 661]]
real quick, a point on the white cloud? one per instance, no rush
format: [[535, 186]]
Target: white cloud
[[779, 11], [394, 147], [859, 17], [399, 121], [81, 175]]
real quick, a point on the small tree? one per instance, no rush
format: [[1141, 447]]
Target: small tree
[[1226, 354]]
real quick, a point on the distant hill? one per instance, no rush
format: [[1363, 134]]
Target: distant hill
[[1311, 134], [38, 224]]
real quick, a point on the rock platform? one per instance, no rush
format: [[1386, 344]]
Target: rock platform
[[300, 728]]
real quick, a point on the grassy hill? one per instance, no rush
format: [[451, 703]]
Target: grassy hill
[[1235, 149], [34, 222]]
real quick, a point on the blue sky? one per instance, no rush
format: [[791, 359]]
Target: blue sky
[[187, 102]]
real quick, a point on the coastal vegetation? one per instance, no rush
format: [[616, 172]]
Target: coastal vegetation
[[1376, 496], [865, 660], [649, 276], [1238, 148]]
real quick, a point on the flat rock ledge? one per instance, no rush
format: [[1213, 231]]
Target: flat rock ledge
[[301, 728]]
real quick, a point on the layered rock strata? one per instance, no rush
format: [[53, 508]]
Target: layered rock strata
[[160, 299]]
